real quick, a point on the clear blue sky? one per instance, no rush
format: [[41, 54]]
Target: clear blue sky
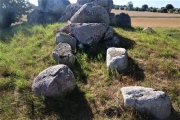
[[138, 3]]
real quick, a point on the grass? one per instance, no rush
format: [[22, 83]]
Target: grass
[[25, 50]]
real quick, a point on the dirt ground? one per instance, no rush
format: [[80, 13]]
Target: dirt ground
[[149, 19]]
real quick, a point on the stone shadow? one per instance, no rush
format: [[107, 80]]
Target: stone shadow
[[73, 106], [79, 72], [134, 71], [125, 42]]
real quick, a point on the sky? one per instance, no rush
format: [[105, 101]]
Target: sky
[[138, 3]]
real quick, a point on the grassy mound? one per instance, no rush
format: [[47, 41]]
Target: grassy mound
[[25, 50]]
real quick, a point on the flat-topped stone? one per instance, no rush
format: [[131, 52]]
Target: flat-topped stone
[[147, 100], [117, 58]]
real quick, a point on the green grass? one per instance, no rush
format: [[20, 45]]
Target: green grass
[[25, 50]]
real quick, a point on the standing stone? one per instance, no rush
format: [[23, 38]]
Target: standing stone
[[112, 19], [88, 33], [123, 20], [65, 38], [147, 100], [54, 81], [91, 13], [63, 54], [117, 59], [52, 6]]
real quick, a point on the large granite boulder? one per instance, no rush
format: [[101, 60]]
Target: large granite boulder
[[65, 38], [87, 33], [52, 6], [91, 13], [117, 59], [71, 9], [123, 20], [62, 54], [107, 4], [37, 16], [54, 81], [147, 100]]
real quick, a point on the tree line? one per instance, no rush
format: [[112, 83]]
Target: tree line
[[169, 8]]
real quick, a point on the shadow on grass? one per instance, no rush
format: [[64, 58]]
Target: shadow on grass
[[79, 72], [125, 42], [73, 106], [134, 71]]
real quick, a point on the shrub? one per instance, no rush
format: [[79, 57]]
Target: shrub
[[11, 11]]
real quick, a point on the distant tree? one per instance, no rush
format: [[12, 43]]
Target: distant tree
[[11, 11], [145, 7], [130, 4], [169, 6]]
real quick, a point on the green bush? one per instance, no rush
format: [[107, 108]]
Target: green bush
[[11, 11]]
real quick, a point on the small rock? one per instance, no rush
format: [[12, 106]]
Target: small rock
[[63, 54], [54, 81], [117, 58], [148, 29], [148, 100], [65, 38]]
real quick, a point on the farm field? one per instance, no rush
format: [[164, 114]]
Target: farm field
[[149, 19]]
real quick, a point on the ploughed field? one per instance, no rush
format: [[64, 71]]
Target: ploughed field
[[150, 19]]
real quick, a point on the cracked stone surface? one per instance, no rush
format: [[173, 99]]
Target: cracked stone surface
[[117, 58], [54, 81], [147, 100], [62, 54]]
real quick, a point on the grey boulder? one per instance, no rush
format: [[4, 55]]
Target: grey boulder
[[54, 81], [123, 20], [65, 38], [156, 103], [52, 6], [91, 13], [117, 59], [87, 33], [62, 54], [112, 19], [71, 9], [39, 17], [107, 4], [109, 34]]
